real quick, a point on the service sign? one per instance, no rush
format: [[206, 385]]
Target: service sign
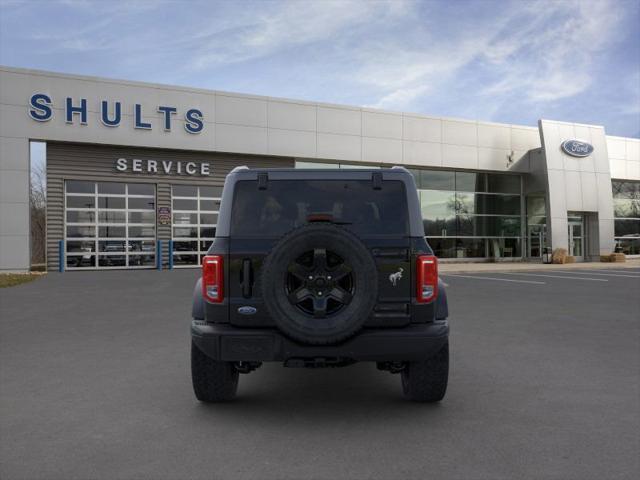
[[577, 148], [163, 167]]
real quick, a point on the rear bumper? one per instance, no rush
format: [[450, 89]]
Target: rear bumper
[[227, 343]]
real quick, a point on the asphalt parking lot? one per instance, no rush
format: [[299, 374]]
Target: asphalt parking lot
[[545, 383]]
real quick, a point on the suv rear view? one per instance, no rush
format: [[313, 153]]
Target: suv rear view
[[319, 268]]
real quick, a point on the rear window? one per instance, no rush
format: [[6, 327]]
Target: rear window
[[286, 204]]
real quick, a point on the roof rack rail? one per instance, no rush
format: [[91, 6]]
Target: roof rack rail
[[399, 167], [237, 169]]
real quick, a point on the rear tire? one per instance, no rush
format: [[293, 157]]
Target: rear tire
[[213, 381], [426, 381]]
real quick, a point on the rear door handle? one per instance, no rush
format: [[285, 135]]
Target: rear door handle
[[246, 278]]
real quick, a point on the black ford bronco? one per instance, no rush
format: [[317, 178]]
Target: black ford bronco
[[319, 268]]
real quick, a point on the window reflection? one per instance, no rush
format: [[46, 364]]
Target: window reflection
[[626, 211], [473, 214], [470, 214]]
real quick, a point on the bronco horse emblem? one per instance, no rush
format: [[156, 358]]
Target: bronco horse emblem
[[394, 277]]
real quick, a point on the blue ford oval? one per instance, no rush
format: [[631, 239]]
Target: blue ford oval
[[577, 148], [247, 310]]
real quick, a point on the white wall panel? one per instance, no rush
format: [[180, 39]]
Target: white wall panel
[[573, 191], [617, 148], [292, 116], [588, 164], [525, 138], [14, 153], [241, 111], [493, 159], [236, 138], [421, 129], [588, 189], [557, 192], [14, 253], [14, 186], [582, 132], [494, 136], [600, 155], [607, 233], [460, 133], [381, 125], [559, 232], [343, 121], [292, 143], [605, 197], [422, 153], [382, 150], [456, 156], [14, 219], [633, 170], [566, 131], [633, 150], [339, 147], [618, 168]]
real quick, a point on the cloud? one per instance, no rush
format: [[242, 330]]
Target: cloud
[[498, 60], [264, 31], [541, 52], [552, 58]]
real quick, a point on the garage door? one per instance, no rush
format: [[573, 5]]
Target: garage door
[[195, 215], [109, 225]]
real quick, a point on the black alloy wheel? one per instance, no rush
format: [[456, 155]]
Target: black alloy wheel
[[320, 283]]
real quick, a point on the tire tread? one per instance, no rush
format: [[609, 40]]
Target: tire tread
[[426, 381], [213, 381]]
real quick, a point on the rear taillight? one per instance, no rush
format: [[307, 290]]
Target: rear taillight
[[212, 278], [426, 278]]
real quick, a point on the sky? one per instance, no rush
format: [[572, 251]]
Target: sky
[[501, 61]]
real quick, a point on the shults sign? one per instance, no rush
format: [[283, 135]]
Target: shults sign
[[41, 109]]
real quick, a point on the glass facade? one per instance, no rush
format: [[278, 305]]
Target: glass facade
[[626, 212], [536, 225], [470, 214], [109, 225], [195, 216], [467, 214]]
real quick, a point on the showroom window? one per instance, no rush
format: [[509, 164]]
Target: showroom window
[[469, 214], [465, 214], [626, 212], [195, 215], [536, 225], [109, 225]]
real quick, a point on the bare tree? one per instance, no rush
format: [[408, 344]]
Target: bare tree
[[37, 207]]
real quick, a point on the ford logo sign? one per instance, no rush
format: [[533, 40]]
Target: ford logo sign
[[577, 148], [247, 310]]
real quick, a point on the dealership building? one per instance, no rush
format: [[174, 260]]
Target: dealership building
[[133, 172]]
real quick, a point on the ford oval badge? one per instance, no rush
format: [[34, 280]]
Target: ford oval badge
[[577, 148], [247, 310]]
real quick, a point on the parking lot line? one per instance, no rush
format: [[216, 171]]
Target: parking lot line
[[555, 276], [626, 270], [601, 274], [494, 278]]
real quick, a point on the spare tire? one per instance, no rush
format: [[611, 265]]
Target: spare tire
[[319, 283]]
